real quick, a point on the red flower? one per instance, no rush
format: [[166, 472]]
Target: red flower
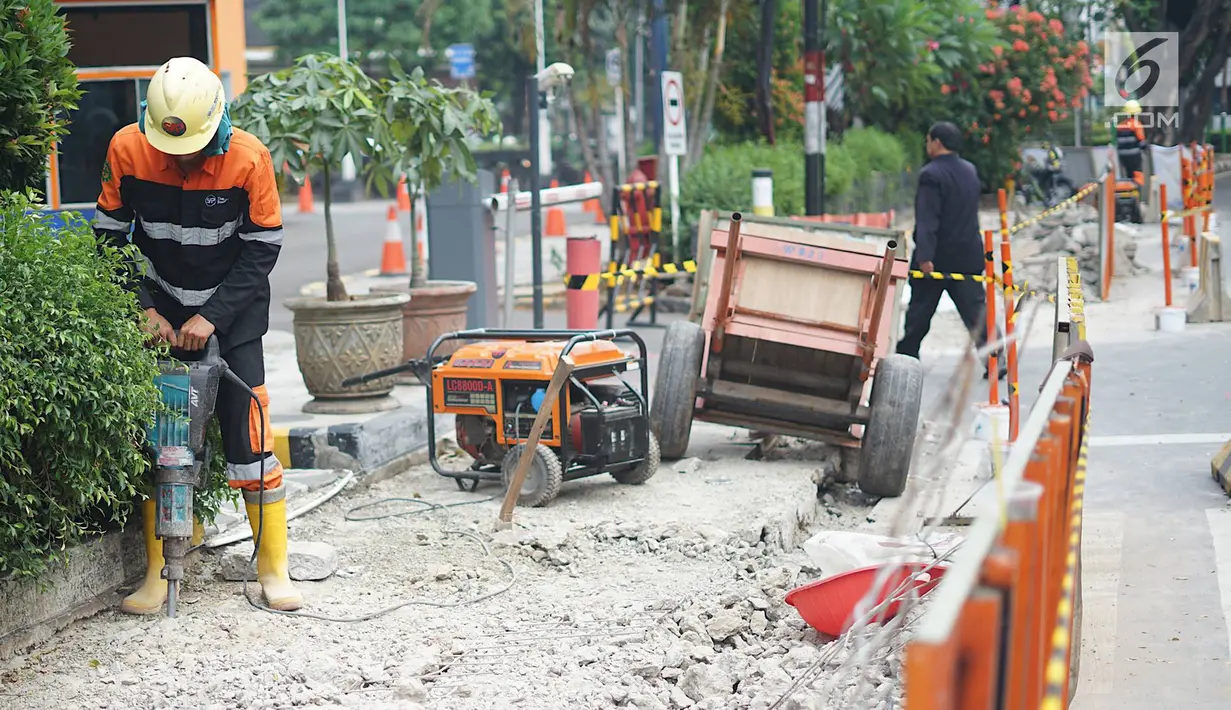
[[1015, 85], [1022, 113], [1017, 29], [1051, 104], [1053, 115], [998, 50], [944, 89], [995, 117], [995, 14], [1034, 16], [1057, 27], [1021, 46], [987, 138]]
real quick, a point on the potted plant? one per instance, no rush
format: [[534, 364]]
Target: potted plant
[[432, 126], [311, 116]]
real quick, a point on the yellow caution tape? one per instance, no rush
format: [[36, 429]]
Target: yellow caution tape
[[591, 282]]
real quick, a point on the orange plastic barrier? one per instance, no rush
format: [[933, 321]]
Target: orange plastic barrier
[[882, 220], [998, 631]]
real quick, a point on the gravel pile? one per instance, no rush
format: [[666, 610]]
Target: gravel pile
[[667, 595], [1072, 232]]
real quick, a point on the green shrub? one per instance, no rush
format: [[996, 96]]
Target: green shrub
[[77, 387], [873, 150], [722, 179], [38, 86]]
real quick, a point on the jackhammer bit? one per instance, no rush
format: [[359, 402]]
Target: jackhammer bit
[[189, 386]]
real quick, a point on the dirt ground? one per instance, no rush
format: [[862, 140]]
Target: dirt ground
[[666, 595]]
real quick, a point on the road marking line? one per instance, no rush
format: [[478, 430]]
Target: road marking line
[[1102, 544], [1220, 529], [1158, 439]]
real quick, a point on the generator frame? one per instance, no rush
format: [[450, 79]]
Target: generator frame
[[568, 457]]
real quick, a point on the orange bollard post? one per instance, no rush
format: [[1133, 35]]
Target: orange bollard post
[[1109, 218], [583, 256], [393, 254], [504, 182], [305, 196], [993, 362], [1162, 198], [1010, 314]]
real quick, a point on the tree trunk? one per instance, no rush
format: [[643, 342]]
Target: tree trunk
[[711, 88], [698, 96], [765, 68], [630, 138], [335, 290]]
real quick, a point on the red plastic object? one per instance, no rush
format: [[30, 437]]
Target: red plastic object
[[828, 605]]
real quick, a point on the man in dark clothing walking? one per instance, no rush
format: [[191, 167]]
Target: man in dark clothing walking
[[947, 240]]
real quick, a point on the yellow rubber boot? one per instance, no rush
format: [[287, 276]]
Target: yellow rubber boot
[[271, 562], [152, 594]]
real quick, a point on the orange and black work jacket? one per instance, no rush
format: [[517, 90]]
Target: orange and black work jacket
[[208, 240], [1130, 137]]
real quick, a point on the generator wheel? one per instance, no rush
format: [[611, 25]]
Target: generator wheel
[[644, 470], [889, 436], [543, 480], [675, 387]]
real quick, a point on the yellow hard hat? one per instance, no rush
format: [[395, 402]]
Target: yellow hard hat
[[1132, 107], [184, 105]]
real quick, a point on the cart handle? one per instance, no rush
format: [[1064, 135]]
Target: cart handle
[[881, 281], [728, 276]]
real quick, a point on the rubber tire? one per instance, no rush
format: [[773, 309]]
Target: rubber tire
[[675, 388], [644, 470], [889, 436], [544, 477]]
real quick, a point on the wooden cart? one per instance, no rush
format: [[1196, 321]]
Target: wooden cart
[[796, 338]]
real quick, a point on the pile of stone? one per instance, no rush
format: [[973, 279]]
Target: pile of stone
[[1070, 232]]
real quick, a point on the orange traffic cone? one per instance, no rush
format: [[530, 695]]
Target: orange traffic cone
[[393, 255], [555, 226], [504, 182], [403, 195], [593, 206], [555, 183], [305, 196]]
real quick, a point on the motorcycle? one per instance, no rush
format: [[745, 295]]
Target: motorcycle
[[1044, 181]]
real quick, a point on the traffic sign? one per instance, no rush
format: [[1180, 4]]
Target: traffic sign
[[675, 134], [614, 69], [461, 61]]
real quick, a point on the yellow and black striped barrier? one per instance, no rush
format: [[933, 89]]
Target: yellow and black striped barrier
[[1190, 212], [981, 278], [1056, 672], [1074, 199], [628, 274]]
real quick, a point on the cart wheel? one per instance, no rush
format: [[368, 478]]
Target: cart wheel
[[889, 437], [542, 480], [644, 470], [675, 387]]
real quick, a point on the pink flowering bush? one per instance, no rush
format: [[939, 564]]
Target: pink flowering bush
[[1035, 75]]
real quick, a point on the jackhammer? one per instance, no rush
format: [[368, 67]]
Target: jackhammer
[[189, 385]]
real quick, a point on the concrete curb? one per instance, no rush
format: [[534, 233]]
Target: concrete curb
[[362, 447]]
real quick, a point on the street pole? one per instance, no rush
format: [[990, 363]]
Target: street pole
[[342, 48], [814, 108], [638, 74], [537, 100], [540, 63]]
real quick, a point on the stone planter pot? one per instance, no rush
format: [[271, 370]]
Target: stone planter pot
[[334, 341], [433, 310]]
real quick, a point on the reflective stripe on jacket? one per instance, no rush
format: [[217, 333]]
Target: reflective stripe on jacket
[[208, 240]]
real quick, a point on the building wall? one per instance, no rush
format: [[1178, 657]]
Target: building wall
[[117, 47]]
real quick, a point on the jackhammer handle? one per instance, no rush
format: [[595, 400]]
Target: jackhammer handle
[[211, 350]]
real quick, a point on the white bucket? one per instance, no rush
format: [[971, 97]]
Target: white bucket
[[1170, 320], [1191, 276], [991, 422]]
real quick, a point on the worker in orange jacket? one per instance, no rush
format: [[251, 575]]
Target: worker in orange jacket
[[1131, 141]]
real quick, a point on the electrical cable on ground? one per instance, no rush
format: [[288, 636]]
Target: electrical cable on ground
[[260, 528]]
